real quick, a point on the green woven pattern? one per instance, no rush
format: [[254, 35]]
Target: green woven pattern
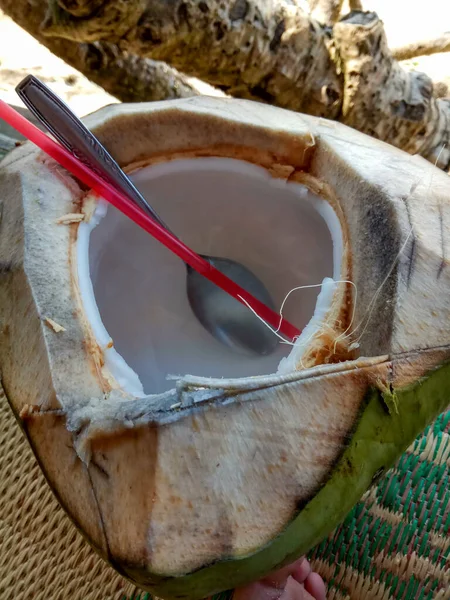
[[395, 543]]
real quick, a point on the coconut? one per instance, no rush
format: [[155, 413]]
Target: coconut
[[190, 468]]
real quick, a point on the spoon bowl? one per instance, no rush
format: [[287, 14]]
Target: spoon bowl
[[224, 317]]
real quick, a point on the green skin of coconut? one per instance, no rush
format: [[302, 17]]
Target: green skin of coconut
[[387, 426]]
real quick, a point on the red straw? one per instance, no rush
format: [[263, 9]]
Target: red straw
[[128, 208]]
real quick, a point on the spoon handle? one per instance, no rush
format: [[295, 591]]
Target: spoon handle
[[69, 130]]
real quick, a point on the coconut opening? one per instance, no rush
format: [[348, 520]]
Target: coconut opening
[[134, 289]]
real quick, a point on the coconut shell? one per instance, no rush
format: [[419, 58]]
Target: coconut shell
[[219, 482]]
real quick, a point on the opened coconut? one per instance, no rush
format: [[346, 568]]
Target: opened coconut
[[189, 467]]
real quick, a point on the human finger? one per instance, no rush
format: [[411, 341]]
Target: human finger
[[315, 585], [295, 591]]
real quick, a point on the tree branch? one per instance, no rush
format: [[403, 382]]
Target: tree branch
[[326, 11], [422, 48], [441, 89], [129, 78], [270, 51], [355, 5], [384, 100], [274, 52]]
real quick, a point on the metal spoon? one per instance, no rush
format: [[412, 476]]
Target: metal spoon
[[222, 315]]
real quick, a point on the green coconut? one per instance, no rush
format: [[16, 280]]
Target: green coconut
[[189, 468]]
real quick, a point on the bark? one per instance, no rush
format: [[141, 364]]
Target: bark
[[385, 101], [442, 88], [129, 78], [272, 52], [355, 5], [423, 48], [329, 11], [326, 11]]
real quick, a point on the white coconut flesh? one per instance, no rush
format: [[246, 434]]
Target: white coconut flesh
[[134, 290]]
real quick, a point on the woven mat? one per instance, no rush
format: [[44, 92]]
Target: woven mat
[[395, 544]]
